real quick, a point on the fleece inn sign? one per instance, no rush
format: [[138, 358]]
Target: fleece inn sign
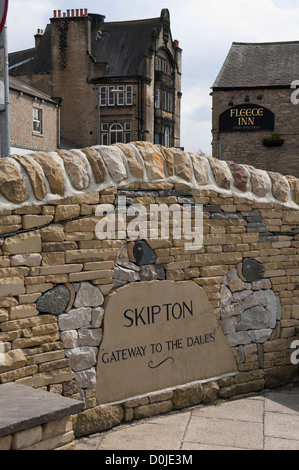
[[246, 117]]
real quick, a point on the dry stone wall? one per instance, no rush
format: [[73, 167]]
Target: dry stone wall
[[55, 273]]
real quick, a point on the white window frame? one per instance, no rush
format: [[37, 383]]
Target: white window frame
[[127, 132], [166, 137], [37, 121], [115, 129], [121, 95], [157, 98], [103, 96], [104, 133], [129, 95], [111, 96]]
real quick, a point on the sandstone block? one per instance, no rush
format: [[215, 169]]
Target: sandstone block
[[61, 442], [210, 392], [294, 183], [26, 438], [200, 169], [113, 160], [97, 165], [188, 395], [97, 419], [23, 243], [31, 221], [12, 286], [52, 171], [240, 176], [68, 211], [30, 260], [181, 164], [23, 311], [152, 409], [280, 186], [76, 168], [13, 359], [5, 442], [57, 427], [259, 183], [54, 233], [52, 377], [154, 161], [135, 165], [35, 176], [12, 183], [220, 172]]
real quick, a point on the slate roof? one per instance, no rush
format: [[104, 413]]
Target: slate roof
[[122, 45], [31, 61], [258, 65], [17, 85]]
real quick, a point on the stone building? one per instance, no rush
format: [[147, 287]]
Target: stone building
[[118, 81], [34, 119], [255, 117]]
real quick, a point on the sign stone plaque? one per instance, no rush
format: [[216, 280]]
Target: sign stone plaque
[[157, 335]]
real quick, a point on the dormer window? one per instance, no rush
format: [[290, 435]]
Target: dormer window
[[161, 64]]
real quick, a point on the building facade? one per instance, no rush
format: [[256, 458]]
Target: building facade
[[255, 114], [34, 119], [118, 82]]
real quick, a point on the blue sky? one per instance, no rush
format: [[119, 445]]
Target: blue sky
[[205, 30]]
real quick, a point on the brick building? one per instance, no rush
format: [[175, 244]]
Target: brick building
[[34, 119], [255, 117], [118, 81]]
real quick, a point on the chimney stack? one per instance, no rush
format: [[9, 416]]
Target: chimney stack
[[72, 13], [38, 36]]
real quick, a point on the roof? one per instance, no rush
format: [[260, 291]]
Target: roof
[[257, 65], [17, 85], [121, 45], [33, 61]]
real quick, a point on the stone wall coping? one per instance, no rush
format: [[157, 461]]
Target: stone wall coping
[[41, 178], [23, 407]]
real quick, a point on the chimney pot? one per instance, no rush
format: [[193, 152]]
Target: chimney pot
[[81, 12], [59, 13], [85, 12], [73, 12], [55, 13], [77, 12], [68, 12]]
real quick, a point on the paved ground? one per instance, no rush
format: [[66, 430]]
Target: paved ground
[[264, 422]]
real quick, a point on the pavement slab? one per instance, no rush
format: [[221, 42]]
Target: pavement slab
[[269, 421]]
